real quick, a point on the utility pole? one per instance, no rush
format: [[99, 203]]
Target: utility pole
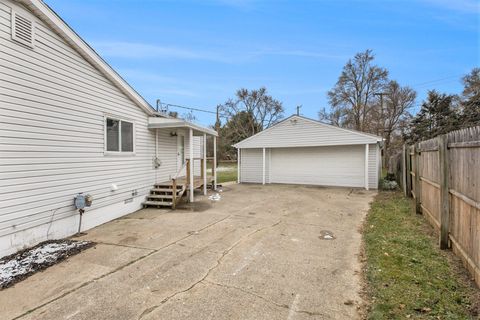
[[217, 128], [217, 122], [381, 94]]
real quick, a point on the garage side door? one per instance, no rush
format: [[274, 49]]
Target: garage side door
[[251, 169], [329, 166]]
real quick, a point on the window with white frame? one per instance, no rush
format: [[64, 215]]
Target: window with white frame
[[119, 136]]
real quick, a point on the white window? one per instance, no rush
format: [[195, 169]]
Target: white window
[[119, 136]]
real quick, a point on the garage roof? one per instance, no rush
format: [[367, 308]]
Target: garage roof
[[298, 131]]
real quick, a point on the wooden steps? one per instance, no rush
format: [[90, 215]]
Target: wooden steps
[[162, 195], [157, 204]]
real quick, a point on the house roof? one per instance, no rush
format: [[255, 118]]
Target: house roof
[[48, 16], [299, 131]]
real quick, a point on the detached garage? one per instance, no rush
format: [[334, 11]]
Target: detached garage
[[299, 150]]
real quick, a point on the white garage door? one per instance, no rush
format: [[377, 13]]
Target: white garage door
[[329, 166]]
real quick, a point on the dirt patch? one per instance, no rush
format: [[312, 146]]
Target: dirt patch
[[199, 206], [20, 265]]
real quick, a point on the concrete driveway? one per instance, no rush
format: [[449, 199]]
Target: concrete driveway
[[261, 252]]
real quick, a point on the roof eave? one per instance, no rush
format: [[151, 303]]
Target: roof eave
[[179, 123]]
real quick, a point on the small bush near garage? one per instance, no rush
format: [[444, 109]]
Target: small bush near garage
[[407, 276]]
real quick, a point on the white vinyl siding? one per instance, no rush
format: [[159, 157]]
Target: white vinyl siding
[[52, 108], [373, 163], [251, 165]]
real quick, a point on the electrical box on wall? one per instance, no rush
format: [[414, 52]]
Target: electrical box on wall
[[82, 201]]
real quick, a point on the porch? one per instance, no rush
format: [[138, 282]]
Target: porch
[[191, 169], [170, 192]]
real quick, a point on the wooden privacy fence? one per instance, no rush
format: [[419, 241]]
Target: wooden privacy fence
[[443, 176]]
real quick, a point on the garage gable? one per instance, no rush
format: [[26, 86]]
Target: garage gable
[[297, 131]]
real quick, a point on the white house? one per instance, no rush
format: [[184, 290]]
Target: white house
[[70, 124], [299, 150]]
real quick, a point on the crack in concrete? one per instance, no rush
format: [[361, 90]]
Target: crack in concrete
[[124, 245], [225, 253], [285, 306], [280, 305], [114, 270]]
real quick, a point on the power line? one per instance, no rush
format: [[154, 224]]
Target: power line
[[185, 107], [435, 81]]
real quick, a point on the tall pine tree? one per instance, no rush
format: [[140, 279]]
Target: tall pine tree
[[438, 115]]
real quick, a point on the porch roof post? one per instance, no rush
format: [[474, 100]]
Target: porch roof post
[[263, 165], [204, 169], [190, 163], [366, 166], [214, 163], [238, 165], [156, 155]]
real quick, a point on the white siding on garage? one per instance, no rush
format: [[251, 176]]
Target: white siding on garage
[[52, 107], [251, 166], [302, 132], [372, 166], [329, 166]]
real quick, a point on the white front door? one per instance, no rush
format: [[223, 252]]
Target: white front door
[[180, 151]]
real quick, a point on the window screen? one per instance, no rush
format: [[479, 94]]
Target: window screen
[[113, 134], [127, 136]]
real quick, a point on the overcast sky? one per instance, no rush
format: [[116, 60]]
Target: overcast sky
[[198, 53]]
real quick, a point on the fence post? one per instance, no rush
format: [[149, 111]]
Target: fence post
[[404, 169], [408, 169], [444, 190], [418, 194]]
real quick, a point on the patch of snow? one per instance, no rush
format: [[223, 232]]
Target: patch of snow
[[37, 258], [215, 197]]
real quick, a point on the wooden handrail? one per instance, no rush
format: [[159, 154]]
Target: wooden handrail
[[187, 162], [174, 193], [174, 182]]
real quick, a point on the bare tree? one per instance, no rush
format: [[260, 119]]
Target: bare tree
[[189, 116], [247, 114], [352, 96], [332, 118], [390, 113], [259, 110]]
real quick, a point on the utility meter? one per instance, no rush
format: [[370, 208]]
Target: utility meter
[[81, 201]]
